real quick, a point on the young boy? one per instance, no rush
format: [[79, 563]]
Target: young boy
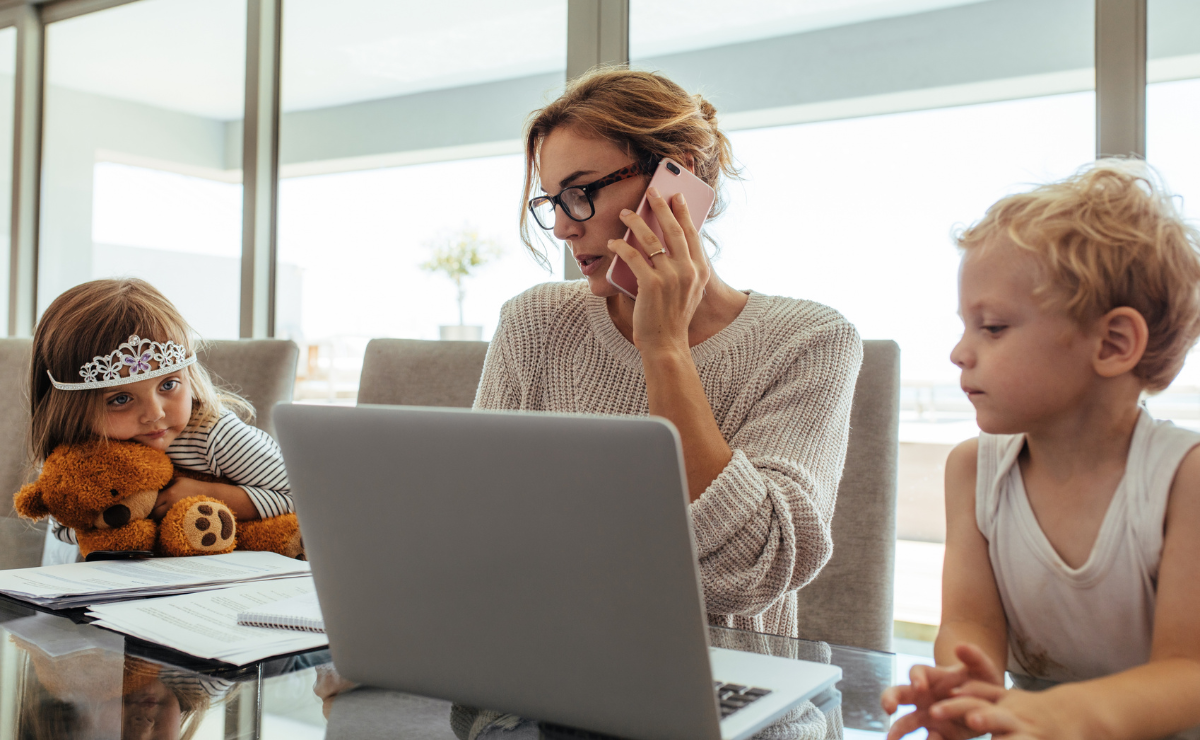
[[1073, 521]]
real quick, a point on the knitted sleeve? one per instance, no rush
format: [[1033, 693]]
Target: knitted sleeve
[[763, 526], [499, 388]]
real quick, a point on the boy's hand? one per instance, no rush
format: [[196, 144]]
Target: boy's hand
[[929, 685], [1011, 714], [179, 489]]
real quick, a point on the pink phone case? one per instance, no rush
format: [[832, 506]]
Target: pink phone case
[[670, 178]]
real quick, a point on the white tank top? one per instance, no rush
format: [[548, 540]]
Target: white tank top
[[1073, 624]]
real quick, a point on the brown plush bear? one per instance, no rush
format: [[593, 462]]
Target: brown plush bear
[[105, 491]]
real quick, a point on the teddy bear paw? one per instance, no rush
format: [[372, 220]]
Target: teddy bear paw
[[209, 526], [201, 526]]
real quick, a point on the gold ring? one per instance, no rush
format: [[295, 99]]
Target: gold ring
[[652, 256]]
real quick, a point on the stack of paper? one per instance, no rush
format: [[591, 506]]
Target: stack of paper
[[205, 624], [80, 584]]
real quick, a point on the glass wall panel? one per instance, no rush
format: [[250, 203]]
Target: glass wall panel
[[141, 171], [868, 132], [8, 68], [400, 136], [1173, 148]]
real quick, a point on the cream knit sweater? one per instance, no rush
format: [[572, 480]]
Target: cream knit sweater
[[780, 380]]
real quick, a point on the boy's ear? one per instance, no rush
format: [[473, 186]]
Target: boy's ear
[[28, 502], [1123, 335]]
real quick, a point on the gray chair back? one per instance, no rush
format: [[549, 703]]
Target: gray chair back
[[415, 372], [263, 371], [20, 540], [850, 602]]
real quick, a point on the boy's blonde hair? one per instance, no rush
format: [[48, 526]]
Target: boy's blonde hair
[[93, 319], [1109, 236]]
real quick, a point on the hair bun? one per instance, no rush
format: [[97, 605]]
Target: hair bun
[[706, 109]]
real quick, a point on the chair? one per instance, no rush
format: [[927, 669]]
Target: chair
[[263, 371], [414, 372], [21, 540], [850, 602]]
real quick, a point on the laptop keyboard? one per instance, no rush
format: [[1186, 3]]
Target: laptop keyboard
[[735, 696]]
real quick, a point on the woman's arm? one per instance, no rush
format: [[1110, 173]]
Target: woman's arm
[[670, 289], [762, 503], [674, 392], [1149, 701], [498, 387]]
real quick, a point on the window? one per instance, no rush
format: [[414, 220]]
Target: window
[[1172, 120], [8, 59], [401, 134], [141, 169]]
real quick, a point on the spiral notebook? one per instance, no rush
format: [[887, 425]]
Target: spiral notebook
[[297, 613]]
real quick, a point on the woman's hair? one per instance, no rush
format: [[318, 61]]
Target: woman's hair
[[643, 113], [1109, 236], [90, 320]]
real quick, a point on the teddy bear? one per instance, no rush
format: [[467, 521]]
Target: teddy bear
[[105, 491]]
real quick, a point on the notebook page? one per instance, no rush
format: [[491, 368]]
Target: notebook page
[[297, 613]]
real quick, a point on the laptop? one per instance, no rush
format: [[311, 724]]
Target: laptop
[[538, 564]]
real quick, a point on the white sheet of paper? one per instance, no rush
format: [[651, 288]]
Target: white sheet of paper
[[205, 624], [74, 584]]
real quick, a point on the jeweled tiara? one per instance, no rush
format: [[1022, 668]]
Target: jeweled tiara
[[104, 371]]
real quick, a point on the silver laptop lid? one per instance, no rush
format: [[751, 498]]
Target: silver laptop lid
[[540, 564]]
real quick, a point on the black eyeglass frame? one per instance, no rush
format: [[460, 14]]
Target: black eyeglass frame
[[645, 167]]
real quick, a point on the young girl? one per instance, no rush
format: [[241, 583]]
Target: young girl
[[1072, 555], [114, 359]]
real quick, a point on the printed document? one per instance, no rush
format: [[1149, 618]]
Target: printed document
[[205, 624], [78, 584]]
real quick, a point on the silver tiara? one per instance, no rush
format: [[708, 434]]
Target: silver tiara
[[104, 371]]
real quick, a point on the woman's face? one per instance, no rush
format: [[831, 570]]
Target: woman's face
[[567, 159]]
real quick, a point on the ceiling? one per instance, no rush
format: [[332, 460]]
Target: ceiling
[[189, 55]]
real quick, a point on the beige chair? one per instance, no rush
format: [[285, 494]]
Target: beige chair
[[263, 371], [850, 602], [414, 372], [20, 540]]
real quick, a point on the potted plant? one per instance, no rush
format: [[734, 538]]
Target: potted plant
[[457, 257]]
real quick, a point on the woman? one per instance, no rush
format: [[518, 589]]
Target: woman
[[759, 387]]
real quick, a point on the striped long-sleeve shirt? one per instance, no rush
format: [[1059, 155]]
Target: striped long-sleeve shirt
[[231, 449]]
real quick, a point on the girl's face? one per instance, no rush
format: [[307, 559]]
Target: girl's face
[[1022, 362], [150, 713], [566, 159], [152, 411]]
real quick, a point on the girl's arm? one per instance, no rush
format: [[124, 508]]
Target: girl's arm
[[1150, 701], [243, 454]]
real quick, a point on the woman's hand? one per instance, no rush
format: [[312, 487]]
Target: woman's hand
[[328, 685], [670, 285], [931, 687]]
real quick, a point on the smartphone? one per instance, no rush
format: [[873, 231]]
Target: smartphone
[[95, 555], [670, 178]]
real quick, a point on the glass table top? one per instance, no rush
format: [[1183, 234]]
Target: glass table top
[[62, 678]]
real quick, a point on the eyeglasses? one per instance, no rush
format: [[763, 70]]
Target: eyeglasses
[[576, 201]]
